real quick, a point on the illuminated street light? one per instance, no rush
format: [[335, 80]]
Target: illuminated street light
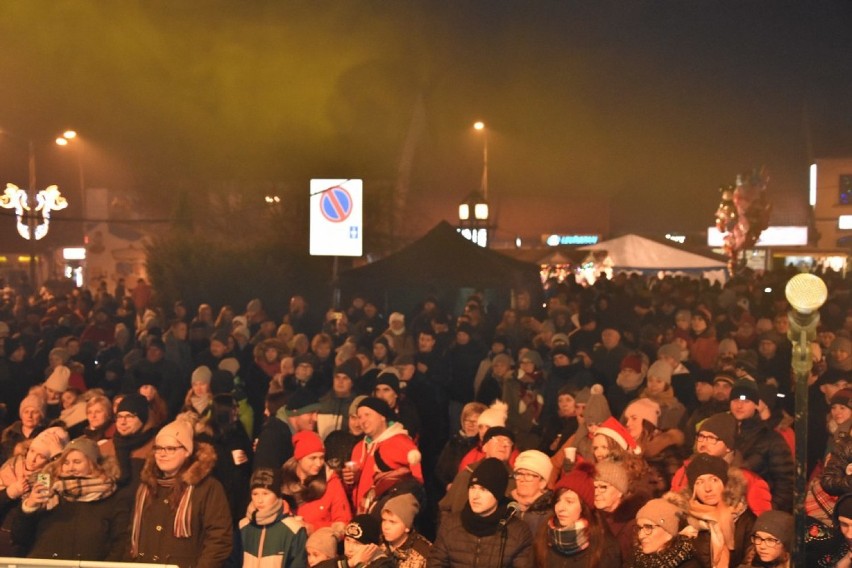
[[61, 141], [806, 293], [480, 126], [475, 227], [69, 134]]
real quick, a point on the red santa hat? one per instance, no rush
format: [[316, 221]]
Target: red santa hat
[[612, 428], [395, 454]]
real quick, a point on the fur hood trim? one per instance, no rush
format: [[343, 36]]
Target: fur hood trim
[[735, 491], [200, 466]]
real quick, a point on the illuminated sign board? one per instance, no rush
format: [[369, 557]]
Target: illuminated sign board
[[775, 236], [578, 240], [844, 222]]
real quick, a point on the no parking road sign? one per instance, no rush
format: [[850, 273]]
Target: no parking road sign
[[336, 217]]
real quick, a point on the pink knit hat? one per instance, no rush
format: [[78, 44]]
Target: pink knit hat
[[179, 431], [646, 409]]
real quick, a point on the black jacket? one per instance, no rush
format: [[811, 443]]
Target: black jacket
[[766, 453]]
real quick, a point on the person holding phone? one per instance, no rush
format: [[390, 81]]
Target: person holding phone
[[73, 511]]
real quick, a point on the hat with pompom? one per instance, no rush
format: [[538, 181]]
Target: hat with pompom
[[597, 407], [494, 415]]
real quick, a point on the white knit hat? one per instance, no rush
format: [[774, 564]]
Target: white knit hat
[[58, 379], [179, 431], [494, 415], [202, 374], [535, 461], [646, 409], [661, 370], [230, 364]]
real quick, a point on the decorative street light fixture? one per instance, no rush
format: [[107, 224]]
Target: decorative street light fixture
[[33, 208], [474, 218]]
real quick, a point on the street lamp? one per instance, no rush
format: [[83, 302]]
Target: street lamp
[[474, 217], [806, 293], [480, 126]]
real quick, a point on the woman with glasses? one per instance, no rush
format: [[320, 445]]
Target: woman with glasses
[[574, 534], [659, 543], [181, 513], [771, 541]]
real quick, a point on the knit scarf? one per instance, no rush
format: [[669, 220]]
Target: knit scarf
[[680, 550], [183, 515], [265, 516], [568, 541], [200, 403], [480, 526], [81, 489], [124, 446], [719, 521]]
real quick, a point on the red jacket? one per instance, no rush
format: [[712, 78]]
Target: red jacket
[[758, 495], [332, 507], [393, 442]]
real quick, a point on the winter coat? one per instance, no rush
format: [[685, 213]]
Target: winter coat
[[758, 495], [76, 530], [834, 479], [735, 497], [766, 453], [664, 452], [456, 497], [448, 462], [12, 436], [538, 511], [331, 507], [621, 522], [455, 547], [275, 444], [413, 553], [362, 455], [279, 544], [211, 533]]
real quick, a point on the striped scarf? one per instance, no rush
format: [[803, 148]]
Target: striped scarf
[[183, 515]]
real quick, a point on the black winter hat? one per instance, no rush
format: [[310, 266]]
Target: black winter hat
[[492, 475], [221, 382], [498, 431], [379, 406], [745, 389], [389, 379], [702, 464], [723, 425], [267, 478], [843, 397], [302, 401], [366, 529], [136, 404]]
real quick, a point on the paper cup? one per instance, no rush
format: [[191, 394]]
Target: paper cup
[[570, 454]]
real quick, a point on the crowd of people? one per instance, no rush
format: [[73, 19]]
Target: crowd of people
[[637, 422]]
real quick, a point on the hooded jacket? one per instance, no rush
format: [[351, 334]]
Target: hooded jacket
[[211, 533]]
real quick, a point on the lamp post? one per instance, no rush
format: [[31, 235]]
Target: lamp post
[[806, 293], [480, 126], [474, 218]]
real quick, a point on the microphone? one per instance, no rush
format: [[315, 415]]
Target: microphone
[[512, 509]]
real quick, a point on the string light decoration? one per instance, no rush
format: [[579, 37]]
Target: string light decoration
[[33, 223]]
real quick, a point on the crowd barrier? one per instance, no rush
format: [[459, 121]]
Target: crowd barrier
[[6, 562]]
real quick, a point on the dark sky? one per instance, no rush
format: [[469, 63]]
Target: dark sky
[[644, 106]]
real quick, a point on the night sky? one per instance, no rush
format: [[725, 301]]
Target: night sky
[[646, 107]]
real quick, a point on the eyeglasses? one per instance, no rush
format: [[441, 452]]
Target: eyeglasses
[[167, 450], [125, 416], [771, 542], [644, 530], [526, 476], [707, 438]]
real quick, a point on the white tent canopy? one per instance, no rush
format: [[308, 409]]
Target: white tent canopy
[[632, 252]]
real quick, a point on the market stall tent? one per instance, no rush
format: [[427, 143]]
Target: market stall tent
[[634, 253]]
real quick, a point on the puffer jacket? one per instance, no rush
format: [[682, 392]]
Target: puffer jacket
[[766, 453], [539, 511], [455, 547], [211, 538], [664, 452], [834, 479]]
